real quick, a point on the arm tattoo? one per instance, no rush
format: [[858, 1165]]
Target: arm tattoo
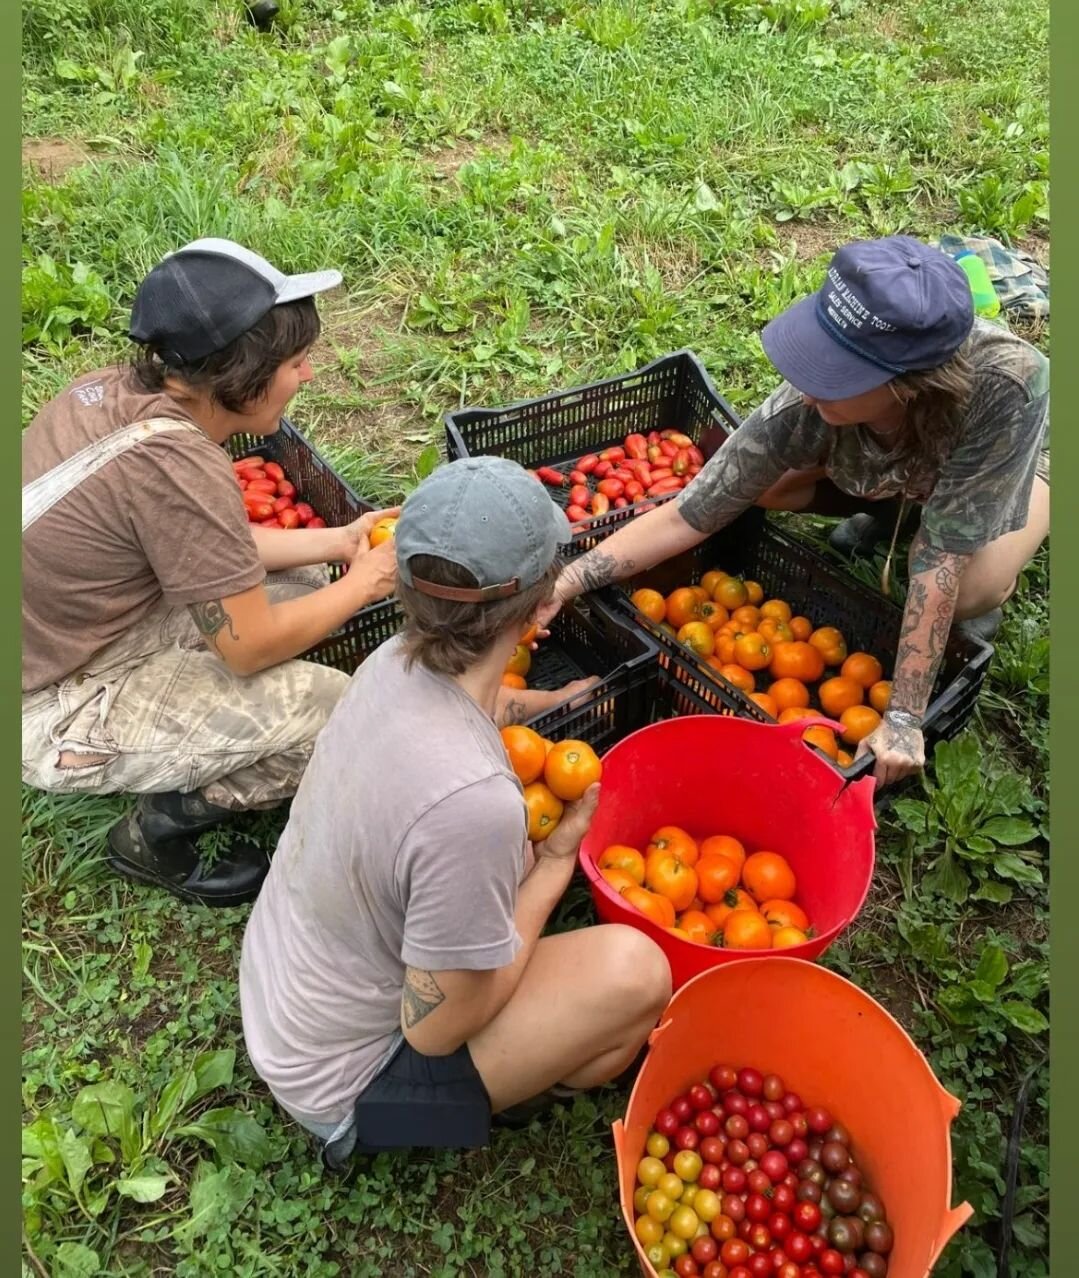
[[211, 618], [599, 568], [927, 622], [420, 996], [512, 712]]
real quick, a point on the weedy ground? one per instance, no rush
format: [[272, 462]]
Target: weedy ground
[[522, 196]]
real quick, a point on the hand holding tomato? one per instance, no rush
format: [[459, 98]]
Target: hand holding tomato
[[356, 536], [562, 845]]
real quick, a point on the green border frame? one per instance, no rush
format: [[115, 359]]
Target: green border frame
[[10, 450], [1064, 677]]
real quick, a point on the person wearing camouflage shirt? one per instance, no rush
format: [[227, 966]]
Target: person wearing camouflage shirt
[[894, 397]]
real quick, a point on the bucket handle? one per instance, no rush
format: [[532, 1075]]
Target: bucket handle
[[954, 1219], [796, 727], [657, 1032]]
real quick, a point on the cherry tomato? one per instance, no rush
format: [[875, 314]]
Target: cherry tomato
[[831, 1262], [789, 1270], [807, 1216], [759, 1238], [818, 1120], [783, 1198], [758, 1208], [700, 1097], [757, 1144], [734, 1208], [774, 1165], [666, 1123], [716, 1269], [723, 1228], [712, 1149], [735, 1252], [740, 1271], [781, 1133], [758, 1182], [798, 1247], [760, 1265], [682, 1109], [738, 1152], [722, 1077], [750, 1082], [779, 1226], [758, 1118], [686, 1267], [687, 1138], [774, 1110], [736, 1127], [704, 1250], [792, 1102], [734, 1180], [707, 1122], [796, 1151], [735, 1103]]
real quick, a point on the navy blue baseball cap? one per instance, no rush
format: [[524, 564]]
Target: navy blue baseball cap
[[886, 307]]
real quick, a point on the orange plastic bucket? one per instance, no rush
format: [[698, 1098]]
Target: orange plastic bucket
[[761, 783], [834, 1046]]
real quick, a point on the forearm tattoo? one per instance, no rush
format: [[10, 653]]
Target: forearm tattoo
[[210, 619], [420, 996], [512, 711], [927, 622], [598, 568]]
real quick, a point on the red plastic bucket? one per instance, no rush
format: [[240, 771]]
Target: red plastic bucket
[[774, 792], [834, 1046]]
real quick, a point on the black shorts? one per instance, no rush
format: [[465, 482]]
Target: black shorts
[[416, 1101]]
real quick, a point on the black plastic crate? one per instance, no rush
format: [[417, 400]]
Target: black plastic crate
[[754, 548], [672, 393], [316, 480], [585, 640]]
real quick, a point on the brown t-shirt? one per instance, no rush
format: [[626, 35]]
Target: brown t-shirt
[[164, 520]]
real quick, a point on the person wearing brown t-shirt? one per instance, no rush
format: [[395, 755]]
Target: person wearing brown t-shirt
[[160, 628]]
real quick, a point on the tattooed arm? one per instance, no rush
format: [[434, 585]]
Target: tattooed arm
[[927, 621], [513, 705], [441, 1010], [639, 544]]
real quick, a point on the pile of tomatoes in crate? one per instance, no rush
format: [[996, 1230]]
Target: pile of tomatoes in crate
[[520, 663], [270, 496], [552, 775], [710, 893], [642, 467], [780, 661], [742, 1180]]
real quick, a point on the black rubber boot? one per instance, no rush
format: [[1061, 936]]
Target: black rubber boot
[[984, 627], [155, 844], [261, 13]]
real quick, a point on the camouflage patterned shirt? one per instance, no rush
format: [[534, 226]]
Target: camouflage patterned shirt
[[981, 492]]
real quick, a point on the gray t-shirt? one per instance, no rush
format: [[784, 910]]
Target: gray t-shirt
[[981, 492], [406, 844]]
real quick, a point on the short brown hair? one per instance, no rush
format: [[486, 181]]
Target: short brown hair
[[240, 373], [449, 637]]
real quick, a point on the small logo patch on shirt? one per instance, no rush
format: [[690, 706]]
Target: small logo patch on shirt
[[90, 394]]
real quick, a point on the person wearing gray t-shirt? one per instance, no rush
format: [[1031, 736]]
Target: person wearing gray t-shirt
[[394, 985], [894, 398]]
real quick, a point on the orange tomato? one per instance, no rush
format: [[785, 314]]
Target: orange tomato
[[735, 899], [746, 930], [673, 840], [801, 627], [775, 631], [526, 751], [863, 668], [831, 645], [724, 647], [738, 675], [858, 722], [382, 531], [513, 681], [682, 606], [711, 580], [671, 878], [746, 618], [698, 636], [714, 614], [716, 875], [784, 937], [544, 811], [521, 661], [620, 857], [785, 914], [529, 636], [752, 652], [724, 845], [682, 935], [570, 768], [838, 694], [793, 713], [824, 739], [754, 592], [797, 660], [697, 926], [880, 694], [651, 905], [619, 879], [844, 758], [789, 692], [650, 602], [731, 593], [766, 703], [776, 609], [768, 877]]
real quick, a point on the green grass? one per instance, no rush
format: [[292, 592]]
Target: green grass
[[521, 195]]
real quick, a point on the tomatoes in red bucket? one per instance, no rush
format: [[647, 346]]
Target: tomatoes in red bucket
[[759, 783]]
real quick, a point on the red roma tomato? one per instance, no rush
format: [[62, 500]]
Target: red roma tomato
[[259, 511], [282, 503], [579, 495], [269, 523], [306, 512], [263, 486], [289, 518], [285, 489], [274, 472], [316, 522]]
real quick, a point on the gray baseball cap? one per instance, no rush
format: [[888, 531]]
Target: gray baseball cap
[[205, 295], [489, 516]]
